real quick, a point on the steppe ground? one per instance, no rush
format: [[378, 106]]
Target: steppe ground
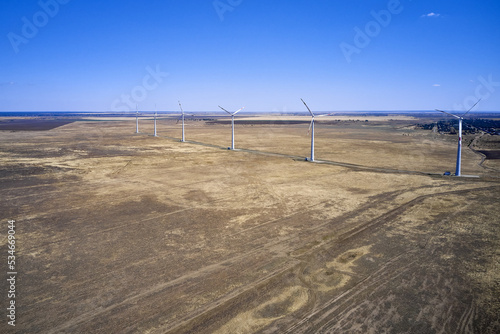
[[120, 232]]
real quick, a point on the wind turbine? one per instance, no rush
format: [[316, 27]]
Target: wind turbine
[[311, 128], [136, 119], [459, 151], [155, 120], [182, 140], [232, 124]]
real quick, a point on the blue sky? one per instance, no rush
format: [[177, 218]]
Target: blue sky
[[338, 55]]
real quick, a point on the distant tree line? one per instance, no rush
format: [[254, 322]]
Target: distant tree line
[[468, 126]]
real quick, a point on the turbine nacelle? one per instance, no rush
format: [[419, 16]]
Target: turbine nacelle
[[180, 106], [232, 113], [313, 116], [459, 117]]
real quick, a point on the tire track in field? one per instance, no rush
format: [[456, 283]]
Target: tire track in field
[[192, 275], [322, 316], [392, 214], [90, 186], [465, 323], [145, 192], [355, 167], [121, 225], [375, 223], [205, 271], [382, 277], [223, 263], [217, 266], [357, 231]]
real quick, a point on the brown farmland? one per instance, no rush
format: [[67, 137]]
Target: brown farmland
[[127, 233]]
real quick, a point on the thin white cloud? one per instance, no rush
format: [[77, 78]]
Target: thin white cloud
[[436, 85], [431, 14]]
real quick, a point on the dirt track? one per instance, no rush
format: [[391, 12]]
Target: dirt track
[[129, 233]]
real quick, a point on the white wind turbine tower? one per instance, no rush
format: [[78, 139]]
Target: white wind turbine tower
[[459, 151], [183, 139], [232, 124], [136, 119], [311, 128], [155, 120]]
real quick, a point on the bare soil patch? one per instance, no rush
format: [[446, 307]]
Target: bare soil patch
[[31, 124], [491, 154]]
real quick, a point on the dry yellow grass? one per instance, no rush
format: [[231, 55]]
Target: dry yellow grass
[[124, 232]]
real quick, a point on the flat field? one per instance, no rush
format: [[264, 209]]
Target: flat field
[[118, 232]]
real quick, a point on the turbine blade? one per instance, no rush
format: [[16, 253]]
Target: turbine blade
[[310, 126], [471, 107], [234, 113], [448, 113], [225, 110], [181, 107], [307, 108]]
